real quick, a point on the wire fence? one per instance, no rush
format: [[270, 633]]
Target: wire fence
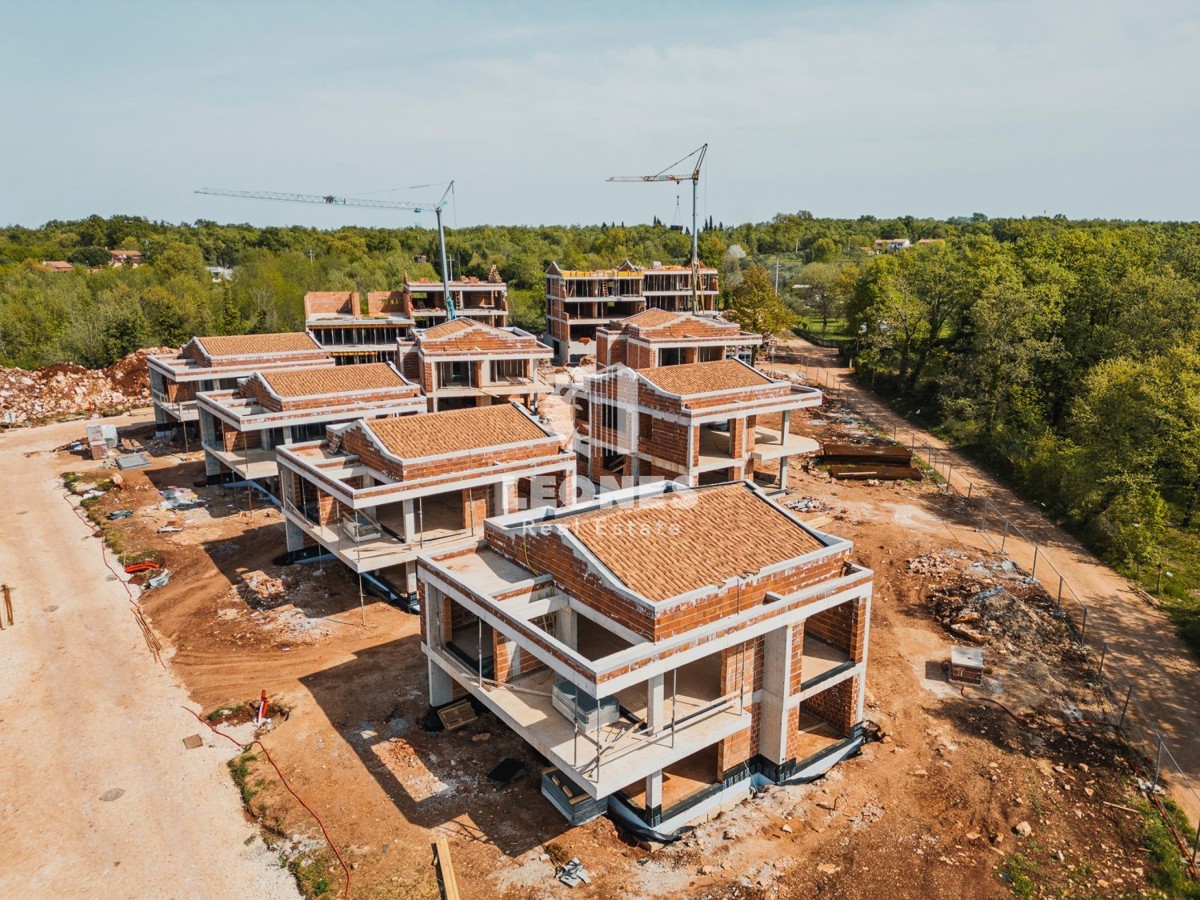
[[1119, 693]]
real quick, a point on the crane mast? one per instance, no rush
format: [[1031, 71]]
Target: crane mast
[[331, 200], [694, 178]]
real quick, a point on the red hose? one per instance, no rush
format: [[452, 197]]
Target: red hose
[[267, 754]]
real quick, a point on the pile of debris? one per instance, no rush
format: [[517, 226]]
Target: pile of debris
[[1017, 613], [930, 565], [65, 389], [262, 591]]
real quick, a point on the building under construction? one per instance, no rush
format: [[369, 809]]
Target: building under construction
[[579, 303], [660, 646]]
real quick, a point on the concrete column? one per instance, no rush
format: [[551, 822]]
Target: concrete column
[[783, 472], [656, 718], [785, 426], [410, 577], [654, 791], [294, 535], [410, 521], [773, 714], [502, 505], [441, 685], [567, 625]]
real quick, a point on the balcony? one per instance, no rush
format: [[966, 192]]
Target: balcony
[[822, 662], [252, 465], [770, 444], [438, 523], [609, 758]]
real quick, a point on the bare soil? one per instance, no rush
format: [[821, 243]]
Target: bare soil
[[929, 809]]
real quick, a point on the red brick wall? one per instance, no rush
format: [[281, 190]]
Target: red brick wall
[[837, 705], [475, 503], [840, 627]]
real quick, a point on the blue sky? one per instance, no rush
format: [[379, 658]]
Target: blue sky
[[927, 108]]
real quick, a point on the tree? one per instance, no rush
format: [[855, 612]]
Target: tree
[[824, 250], [178, 258], [753, 304], [828, 287]]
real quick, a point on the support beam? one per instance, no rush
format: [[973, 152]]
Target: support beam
[[655, 710]]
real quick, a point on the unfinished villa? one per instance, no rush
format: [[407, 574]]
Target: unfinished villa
[[353, 334], [466, 362], [481, 299], [579, 303], [658, 645], [696, 423], [656, 337], [376, 493], [241, 429], [217, 364]]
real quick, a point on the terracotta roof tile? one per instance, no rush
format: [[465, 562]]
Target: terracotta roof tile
[[679, 542], [470, 335], [701, 378], [651, 318], [455, 431], [291, 383], [257, 344]]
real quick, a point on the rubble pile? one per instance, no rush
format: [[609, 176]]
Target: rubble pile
[[261, 590], [65, 389], [930, 565], [1014, 613]]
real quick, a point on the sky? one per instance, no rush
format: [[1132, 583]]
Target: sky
[[1005, 107]]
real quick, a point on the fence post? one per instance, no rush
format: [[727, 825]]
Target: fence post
[[1125, 707], [1005, 537], [1158, 761], [1103, 652], [1033, 574], [8, 604], [1060, 587], [970, 487], [1083, 628], [949, 472], [1196, 843]]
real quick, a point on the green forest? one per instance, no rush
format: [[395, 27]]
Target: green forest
[[1062, 353]]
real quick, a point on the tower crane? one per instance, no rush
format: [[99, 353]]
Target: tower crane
[[694, 178], [451, 312]]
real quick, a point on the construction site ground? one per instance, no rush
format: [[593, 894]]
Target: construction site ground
[[931, 807]]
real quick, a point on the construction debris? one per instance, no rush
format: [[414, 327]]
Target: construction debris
[[65, 389], [573, 873]]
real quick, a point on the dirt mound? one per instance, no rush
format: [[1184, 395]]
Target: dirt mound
[[66, 389], [1014, 612]]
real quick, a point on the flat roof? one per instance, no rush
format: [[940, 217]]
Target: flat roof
[[704, 377], [455, 431], [678, 542], [323, 380], [257, 344]]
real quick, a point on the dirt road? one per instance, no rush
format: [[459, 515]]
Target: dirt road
[[1143, 646], [98, 796]]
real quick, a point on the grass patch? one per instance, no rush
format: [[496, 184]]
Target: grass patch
[[311, 874], [1170, 870], [1018, 871], [70, 479], [240, 770]]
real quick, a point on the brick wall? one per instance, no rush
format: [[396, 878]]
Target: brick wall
[[841, 627], [837, 705], [475, 505], [796, 664]]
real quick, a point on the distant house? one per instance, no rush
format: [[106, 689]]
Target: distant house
[[219, 273], [892, 245], [131, 258], [57, 265]]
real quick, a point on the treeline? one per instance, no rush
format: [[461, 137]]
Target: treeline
[[1066, 353]]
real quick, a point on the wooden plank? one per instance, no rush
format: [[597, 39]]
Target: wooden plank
[[444, 867]]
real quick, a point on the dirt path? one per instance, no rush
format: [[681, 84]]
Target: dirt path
[[1143, 646], [86, 712]]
